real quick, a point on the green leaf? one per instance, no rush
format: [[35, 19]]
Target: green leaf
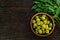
[[38, 9], [58, 11], [50, 8], [34, 7], [58, 2], [36, 2]]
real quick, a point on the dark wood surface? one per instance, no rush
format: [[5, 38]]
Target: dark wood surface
[[15, 17]]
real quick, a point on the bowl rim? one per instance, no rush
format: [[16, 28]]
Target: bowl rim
[[39, 14]]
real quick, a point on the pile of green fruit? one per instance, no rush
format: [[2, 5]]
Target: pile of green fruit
[[41, 24]]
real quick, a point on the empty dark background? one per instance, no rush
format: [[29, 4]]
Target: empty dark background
[[15, 16]]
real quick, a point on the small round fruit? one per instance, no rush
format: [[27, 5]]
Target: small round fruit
[[43, 27], [46, 27], [45, 21], [49, 28], [36, 30], [42, 17], [50, 24], [33, 21], [38, 27], [41, 23], [47, 31], [38, 23], [40, 31], [34, 25], [37, 17]]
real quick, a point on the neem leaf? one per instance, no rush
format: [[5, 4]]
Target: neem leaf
[[50, 8], [47, 1], [58, 11], [36, 2], [58, 2], [34, 7], [38, 9]]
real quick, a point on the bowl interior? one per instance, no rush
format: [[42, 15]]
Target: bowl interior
[[49, 17]]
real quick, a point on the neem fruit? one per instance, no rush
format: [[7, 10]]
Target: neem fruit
[[41, 24]]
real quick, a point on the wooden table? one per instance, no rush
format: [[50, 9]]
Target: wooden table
[[15, 17]]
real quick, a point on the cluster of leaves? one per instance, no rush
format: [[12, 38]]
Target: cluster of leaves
[[51, 7]]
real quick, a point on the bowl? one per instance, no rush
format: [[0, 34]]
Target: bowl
[[50, 19]]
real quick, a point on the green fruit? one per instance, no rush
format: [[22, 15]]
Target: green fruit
[[49, 28], [40, 31], [37, 17], [34, 25], [46, 27], [50, 24], [36, 30], [43, 17], [47, 31], [38, 27], [45, 21], [41, 23], [38, 23], [43, 27], [33, 21]]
